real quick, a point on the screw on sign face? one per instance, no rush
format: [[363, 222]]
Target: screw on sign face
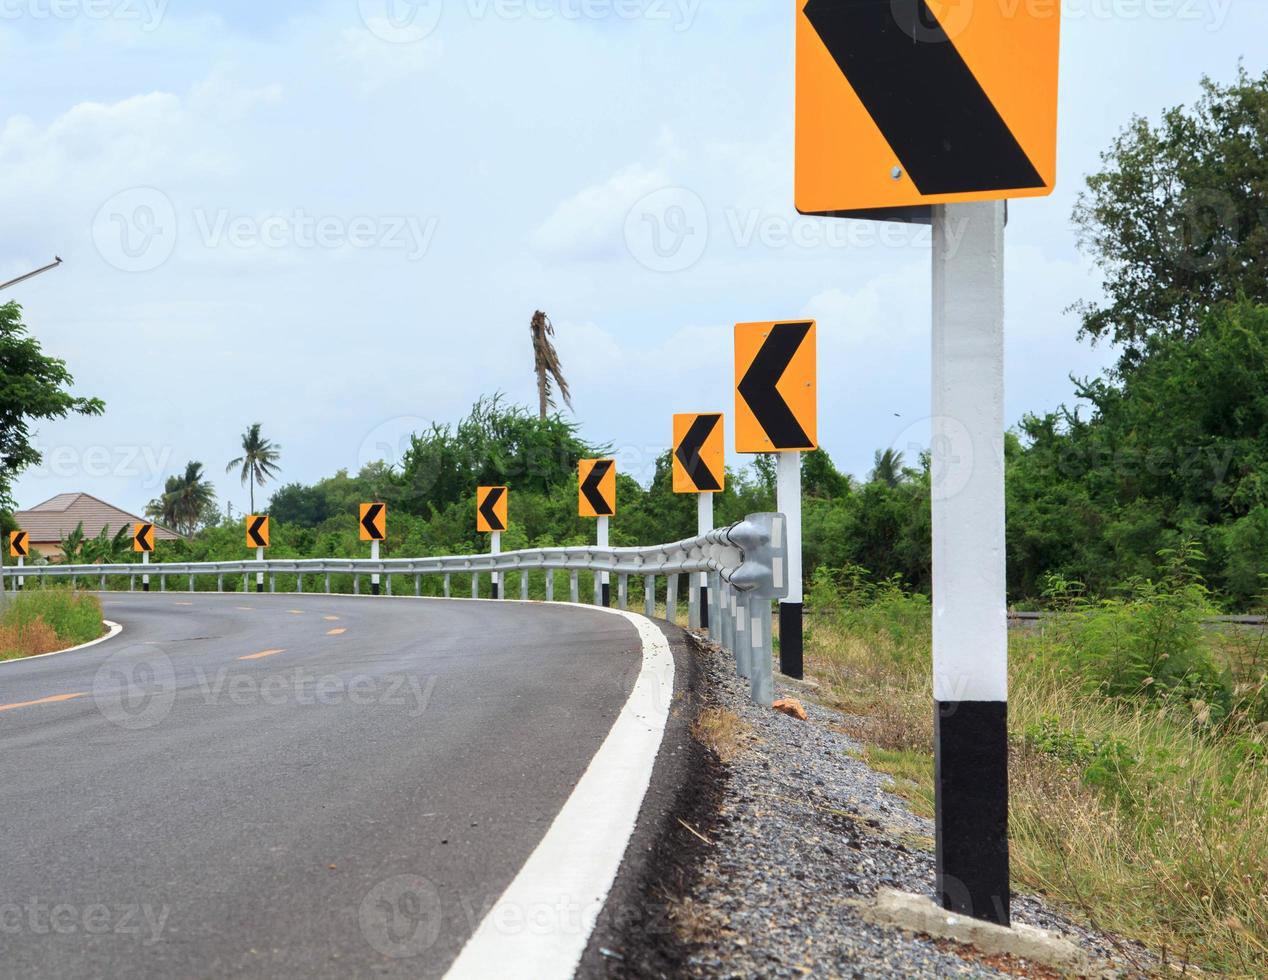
[[596, 488], [143, 538], [258, 531], [776, 393], [373, 526], [19, 544], [491, 509], [699, 459], [906, 103]]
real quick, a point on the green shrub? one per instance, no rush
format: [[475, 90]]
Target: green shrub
[[74, 616]]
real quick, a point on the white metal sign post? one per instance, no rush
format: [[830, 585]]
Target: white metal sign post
[[145, 579], [704, 524], [495, 580], [376, 585], [605, 588], [788, 503], [970, 626]]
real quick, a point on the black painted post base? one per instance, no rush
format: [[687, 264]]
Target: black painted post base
[[375, 588], [971, 800], [606, 594], [259, 586], [704, 607], [493, 589], [791, 662], [145, 586]]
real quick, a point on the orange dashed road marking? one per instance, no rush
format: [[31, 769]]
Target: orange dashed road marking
[[262, 653], [55, 699], [330, 618], [336, 631], [296, 612]]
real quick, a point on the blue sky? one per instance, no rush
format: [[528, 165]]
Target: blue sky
[[338, 218]]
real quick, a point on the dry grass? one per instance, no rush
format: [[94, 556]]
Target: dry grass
[[721, 731], [28, 640], [1164, 839]]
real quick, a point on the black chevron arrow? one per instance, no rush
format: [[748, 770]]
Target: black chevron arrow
[[757, 387], [590, 487], [257, 525], [368, 522], [688, 452], [922, 96], [488, 511]]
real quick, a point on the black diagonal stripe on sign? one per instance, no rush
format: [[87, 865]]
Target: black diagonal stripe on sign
[[256, 526], [590, 487], [19, 545], [143, 536], [922, 96], [758, 386], [371, 517], [487, 508], [688, 452]]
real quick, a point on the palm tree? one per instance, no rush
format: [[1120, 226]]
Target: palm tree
[[185, 499], [887, 467], [258, 460], [546, 363]]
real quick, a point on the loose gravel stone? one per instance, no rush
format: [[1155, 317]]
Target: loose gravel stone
[[805, 832]]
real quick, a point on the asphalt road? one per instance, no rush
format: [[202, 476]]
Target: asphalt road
[[289, 785]]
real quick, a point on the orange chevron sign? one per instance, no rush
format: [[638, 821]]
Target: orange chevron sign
[[142, 537], [19, 544], [903, 103], [491, 509], [596, 488]]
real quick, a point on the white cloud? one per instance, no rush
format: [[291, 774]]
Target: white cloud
[[589, 224]]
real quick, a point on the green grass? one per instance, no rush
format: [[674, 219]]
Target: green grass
[[1140, 806], [43, 620]]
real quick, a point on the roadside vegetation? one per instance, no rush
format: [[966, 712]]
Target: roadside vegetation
[[44, 620], [1139, 748]]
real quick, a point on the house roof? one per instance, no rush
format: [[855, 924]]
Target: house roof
[[52, 520]]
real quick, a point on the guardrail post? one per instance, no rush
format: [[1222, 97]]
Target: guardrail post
[[162, 583], [103, 583], [387, 582], [131, 583], [671, 599], [550, 585], [574, 585], [728, 618], [763, 652], [524, 584], [418, 585], [475, 585], [743, 637], [649, 596], [299, 583], [714, 609], [622, 591], [447, 583], [272, 581], [220, 582], [356, 585], [693, 604], [191, 583]]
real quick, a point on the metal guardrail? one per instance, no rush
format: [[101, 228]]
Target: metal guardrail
[[746, 564]]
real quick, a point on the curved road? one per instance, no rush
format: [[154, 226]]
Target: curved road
[[285, 786]]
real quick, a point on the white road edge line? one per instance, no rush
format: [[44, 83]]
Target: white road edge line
[[114, 628], [541, 925]]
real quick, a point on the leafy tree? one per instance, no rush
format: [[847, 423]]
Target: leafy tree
[[33, 387], [186, 501], [1177, 219], [887, 467], [258, 461]]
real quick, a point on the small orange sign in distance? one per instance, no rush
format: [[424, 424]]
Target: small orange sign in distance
[[916, 102], [143, 537], [699, 457], [596, 488], [373, 525], [257, 531], [19, 544], [491, 509], [776, 391]]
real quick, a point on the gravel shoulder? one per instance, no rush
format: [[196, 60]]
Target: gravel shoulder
[[762, 863]]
